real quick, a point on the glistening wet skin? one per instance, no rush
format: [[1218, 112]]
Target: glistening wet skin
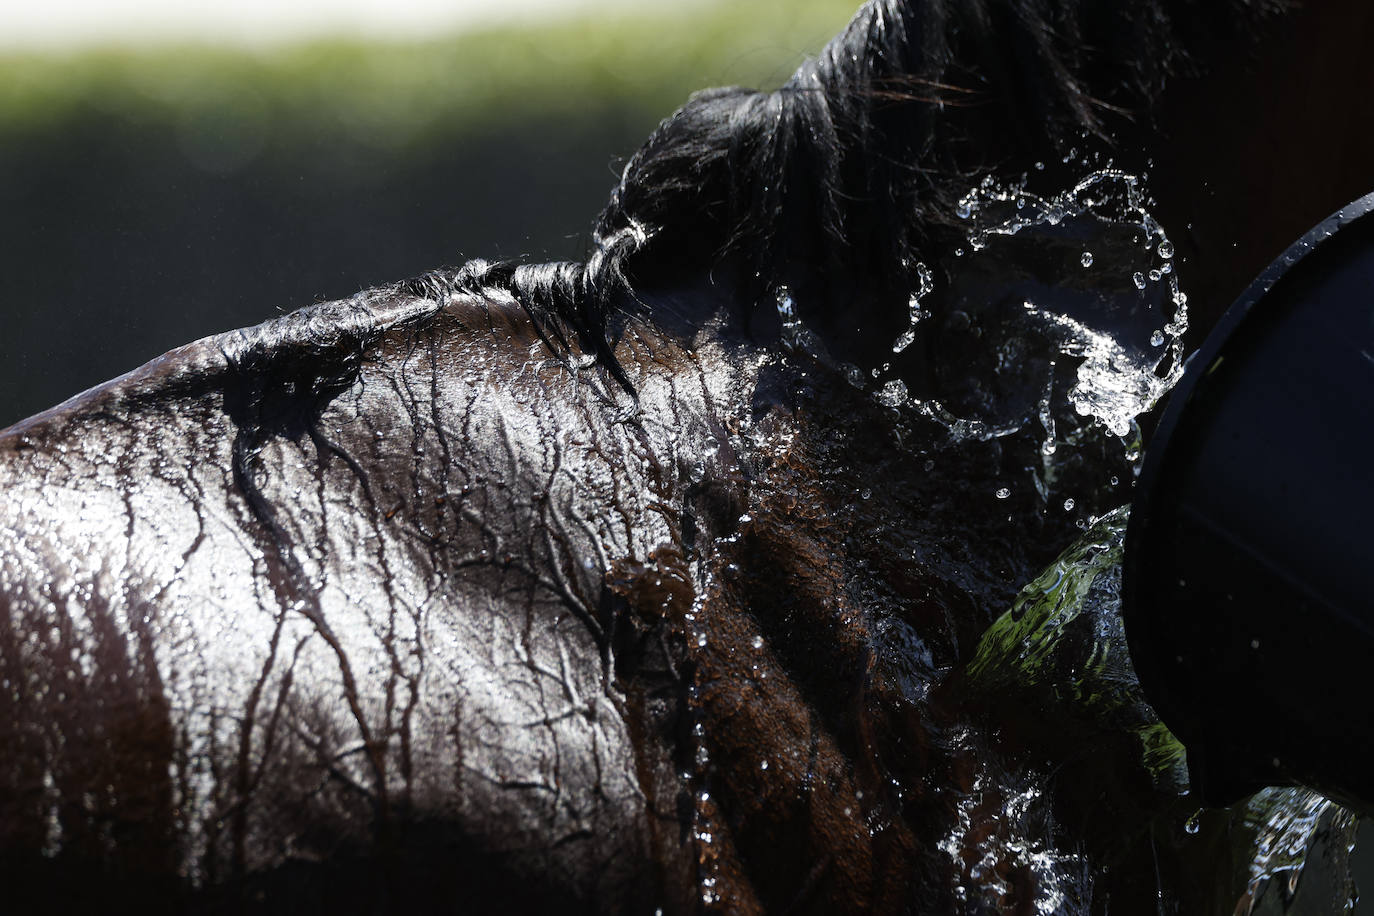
[[447, 609], [764, 561]]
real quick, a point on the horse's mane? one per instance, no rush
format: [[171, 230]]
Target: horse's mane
[[833, 183]]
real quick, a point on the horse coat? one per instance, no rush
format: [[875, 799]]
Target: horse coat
[[591, 586]]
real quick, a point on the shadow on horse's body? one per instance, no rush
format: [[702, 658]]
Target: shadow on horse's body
[[593, 586]]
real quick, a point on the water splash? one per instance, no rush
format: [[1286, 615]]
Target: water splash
[[1114, 385], [1061, 651], [1064, 638], [797, 338], [915, 314], [1122, 371], [1290, 826], [1063, 314], [1067, 315], [893, 393], [998, 847]]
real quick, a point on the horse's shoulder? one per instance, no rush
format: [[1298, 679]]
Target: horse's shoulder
[[396, 482]]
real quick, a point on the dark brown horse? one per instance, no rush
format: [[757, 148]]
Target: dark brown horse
[[664, 581]]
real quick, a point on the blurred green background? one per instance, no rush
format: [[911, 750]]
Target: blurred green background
[[152, 196]]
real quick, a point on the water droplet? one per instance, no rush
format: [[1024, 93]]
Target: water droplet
[[1157, 339], [1003, 493], [866, 493], [763, 765], [1139, 279], [1194, 823], [701, 641], [1087, 259], [1166, 249], [892, 394], [758, 642], [1155, 275], [787, 308], [1254, 643], [964, 210], [1068, 504]]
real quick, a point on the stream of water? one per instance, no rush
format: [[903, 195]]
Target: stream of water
[[1093, 273]]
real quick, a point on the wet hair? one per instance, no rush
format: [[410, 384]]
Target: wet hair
[[833, 182]]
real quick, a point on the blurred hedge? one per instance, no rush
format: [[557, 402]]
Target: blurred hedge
[[396, 95]]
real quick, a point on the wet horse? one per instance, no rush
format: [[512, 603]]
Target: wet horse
[[640, 583]]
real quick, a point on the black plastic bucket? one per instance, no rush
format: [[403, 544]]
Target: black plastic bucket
[[1248, 587]]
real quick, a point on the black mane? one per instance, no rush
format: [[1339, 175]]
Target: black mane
[[849, 164], [831, 185], [835, 182]]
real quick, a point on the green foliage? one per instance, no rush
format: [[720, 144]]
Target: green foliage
[[393, 95]]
